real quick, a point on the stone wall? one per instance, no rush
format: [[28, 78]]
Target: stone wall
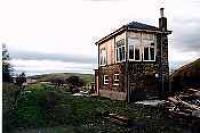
[[110, 71], [142, 80], [113, 94]]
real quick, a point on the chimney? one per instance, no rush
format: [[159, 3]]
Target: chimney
[[162, 21]]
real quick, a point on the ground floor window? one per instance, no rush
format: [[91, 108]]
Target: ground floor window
[[105, 79], [116, 79]]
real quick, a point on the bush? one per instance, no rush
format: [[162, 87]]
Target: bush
[[9, 117], [75, 83]]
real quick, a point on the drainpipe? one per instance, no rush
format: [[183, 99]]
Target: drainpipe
[[127, 73]]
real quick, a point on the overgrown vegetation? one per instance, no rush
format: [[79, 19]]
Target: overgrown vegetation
[[42, 106]]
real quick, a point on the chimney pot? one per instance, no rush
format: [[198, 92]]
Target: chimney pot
[[162, 20], [162, 12]]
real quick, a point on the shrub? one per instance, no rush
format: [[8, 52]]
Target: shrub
[[74, 83]]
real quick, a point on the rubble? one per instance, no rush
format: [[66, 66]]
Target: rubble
[[117, 119], [151, 102], [184, 105]]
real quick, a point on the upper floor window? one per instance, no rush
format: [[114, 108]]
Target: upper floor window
[[149, 51], [120, 50], [142, 50], [134, 52], [103, 56]]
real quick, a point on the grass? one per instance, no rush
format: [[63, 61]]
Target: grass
[[88, 78], [48, 110]]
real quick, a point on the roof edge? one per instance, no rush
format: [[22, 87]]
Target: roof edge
[[126, 28], [107, 37], [150, 31]]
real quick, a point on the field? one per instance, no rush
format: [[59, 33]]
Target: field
[[45, 109], [88, 78]]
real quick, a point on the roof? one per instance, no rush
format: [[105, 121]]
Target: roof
[[133, 26], [142, 26]]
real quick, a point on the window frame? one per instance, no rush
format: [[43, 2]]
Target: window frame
[[136, 44], [120, 45], [114, 79], [105, 81], [103, 57], [147, 44]]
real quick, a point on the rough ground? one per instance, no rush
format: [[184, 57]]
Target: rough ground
[[45, 109]]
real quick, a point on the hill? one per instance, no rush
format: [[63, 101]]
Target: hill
[[49, 77], [187, 76]]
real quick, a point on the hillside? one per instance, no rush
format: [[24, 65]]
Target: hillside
[[49, 77], [187, 76]]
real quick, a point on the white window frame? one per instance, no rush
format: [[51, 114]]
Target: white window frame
[[103, 57], [136, 44], [114, 79], [105, 81], [147, 44], [117, 52]]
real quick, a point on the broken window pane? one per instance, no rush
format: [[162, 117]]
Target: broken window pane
[[123, 53], [152, 44], [152, 53], [120, 54], [146, 53], [131, 52], [137, 54]]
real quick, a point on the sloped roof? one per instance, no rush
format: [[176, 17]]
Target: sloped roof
[[133, 26], [142, 26]]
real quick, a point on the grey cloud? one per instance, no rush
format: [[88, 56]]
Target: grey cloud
[[24, 55], [187, 34]]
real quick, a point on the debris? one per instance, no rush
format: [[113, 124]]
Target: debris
[[82, 93], [184, 105], [77, 94], [117, 119], [151, 102]]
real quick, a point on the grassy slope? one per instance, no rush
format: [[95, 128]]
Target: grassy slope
[[46, 107], [189, 69], [47, 77], [189, 75]]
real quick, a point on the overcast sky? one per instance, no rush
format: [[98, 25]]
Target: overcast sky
[[45, 36]]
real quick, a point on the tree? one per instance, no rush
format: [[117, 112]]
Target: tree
[[57, 82], [74, 83], [20, 80], [6, 66]]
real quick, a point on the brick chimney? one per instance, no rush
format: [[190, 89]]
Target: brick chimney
[[162, 20]]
